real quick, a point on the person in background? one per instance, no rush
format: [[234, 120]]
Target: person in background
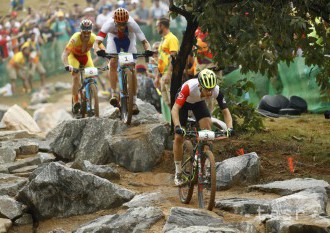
[[168, 50], [103, 17], [18, 67], [142, 14]]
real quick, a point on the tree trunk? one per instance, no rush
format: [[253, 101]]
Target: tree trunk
[[180, 61]]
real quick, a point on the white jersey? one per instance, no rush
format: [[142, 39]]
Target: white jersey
[[133, 29], [190, 93]]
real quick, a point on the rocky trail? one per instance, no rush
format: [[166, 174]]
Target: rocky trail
[[99, 175]]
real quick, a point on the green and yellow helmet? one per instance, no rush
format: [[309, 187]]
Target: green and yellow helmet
[[207, 79]]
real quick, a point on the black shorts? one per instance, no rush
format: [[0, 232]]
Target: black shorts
[[199, 109]]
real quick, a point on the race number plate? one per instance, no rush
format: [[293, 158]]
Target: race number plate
[[90, 72], [125, 58], [206, 135]]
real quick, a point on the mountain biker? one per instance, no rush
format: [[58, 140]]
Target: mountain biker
[[76, 53], [192, 96], [122, 32]]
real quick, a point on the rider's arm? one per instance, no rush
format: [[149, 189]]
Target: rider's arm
[[65, 55], [227, 117], [101, 35], [146, 45], [179, 102], [175, 114], [224, 109]]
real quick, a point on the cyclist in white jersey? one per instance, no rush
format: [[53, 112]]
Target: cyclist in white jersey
[[192, 96], [122, 31]]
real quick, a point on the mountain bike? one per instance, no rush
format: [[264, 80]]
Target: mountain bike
[[127, 86], [198, 167], [88, 91]]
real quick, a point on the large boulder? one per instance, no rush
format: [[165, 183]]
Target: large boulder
[[58, 191], [17, 118]]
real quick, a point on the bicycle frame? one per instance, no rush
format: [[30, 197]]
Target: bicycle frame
[[199, 167], [86, 82]]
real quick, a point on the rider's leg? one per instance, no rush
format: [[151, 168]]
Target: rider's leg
[[113, 82], [178, 146], [75, 87], [178, 154], [135, 107]]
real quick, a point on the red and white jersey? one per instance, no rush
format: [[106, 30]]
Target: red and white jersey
[[191, 94], [110, 27]]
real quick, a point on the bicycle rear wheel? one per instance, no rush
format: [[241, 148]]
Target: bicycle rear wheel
[[207, 182], [93, 101], [188, 173]]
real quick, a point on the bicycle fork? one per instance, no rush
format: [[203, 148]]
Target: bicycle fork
[[87, 83]]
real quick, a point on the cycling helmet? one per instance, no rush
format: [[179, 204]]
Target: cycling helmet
[[86, 25], [207, 79], [120, 15]]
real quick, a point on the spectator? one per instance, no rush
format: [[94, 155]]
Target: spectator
[[18, 67], [101, 18], [168, 50], [142, 14], [158, 10], [61, 27], [36, 65]]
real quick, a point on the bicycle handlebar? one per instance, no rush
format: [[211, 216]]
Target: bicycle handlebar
[[75, 70], [135, 55], [207, 134]]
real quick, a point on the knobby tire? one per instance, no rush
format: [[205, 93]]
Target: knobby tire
[[186, 190], [206, 190], [130, 88], [94, 100]]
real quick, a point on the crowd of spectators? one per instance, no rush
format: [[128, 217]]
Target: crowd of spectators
[[56, 22]]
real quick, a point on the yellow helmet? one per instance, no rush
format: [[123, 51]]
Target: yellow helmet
[[207, 79]]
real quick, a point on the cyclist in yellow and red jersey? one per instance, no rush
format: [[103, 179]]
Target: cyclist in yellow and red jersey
[[76, 53]]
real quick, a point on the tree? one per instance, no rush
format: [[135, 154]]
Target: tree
[[257, 34]]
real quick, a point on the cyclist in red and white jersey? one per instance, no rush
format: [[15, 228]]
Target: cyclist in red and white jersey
[[192, 96], [122, 31]]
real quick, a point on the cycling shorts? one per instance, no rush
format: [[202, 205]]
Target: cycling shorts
[[199, 109], [77, 60]]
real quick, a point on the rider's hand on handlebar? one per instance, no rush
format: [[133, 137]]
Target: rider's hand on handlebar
[[230, 132], [179, 130], [149, 53], [69, 68], [101, 53]]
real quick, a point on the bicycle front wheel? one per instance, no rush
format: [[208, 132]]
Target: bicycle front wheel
[[207, 182], [94, 101], [189, 174], [127, 101]]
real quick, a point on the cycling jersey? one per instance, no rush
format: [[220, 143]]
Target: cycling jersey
[[190, 93], [75, 44], [118, 40], [79, 54]]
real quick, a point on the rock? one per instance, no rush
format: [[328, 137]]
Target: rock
[[7, 155], [104, 171], [19, 134], [46, 157], [241, 169], [18, 119], [23, 163], [22, 147], [10, 184], [134, 220], [145, 200], [287, 187], [58, 191], [5, 225], [10, 208]]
